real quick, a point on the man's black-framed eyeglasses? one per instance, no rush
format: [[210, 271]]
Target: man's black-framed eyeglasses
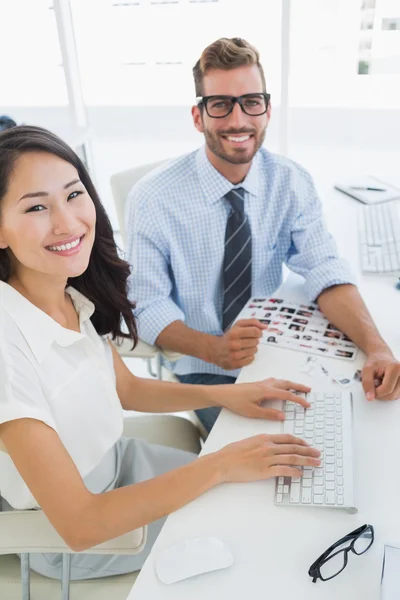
[[219, 107], [334, 559]]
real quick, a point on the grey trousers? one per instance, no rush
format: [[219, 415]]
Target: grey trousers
[[129, 461]]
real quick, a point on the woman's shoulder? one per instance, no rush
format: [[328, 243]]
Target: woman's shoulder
[[12, 339]]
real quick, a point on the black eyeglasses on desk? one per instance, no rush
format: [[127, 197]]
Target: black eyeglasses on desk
[[334, 559]]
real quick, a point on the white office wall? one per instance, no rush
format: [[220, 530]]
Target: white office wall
[[138, 118]]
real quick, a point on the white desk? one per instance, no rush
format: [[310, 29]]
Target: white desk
[[274, 546]]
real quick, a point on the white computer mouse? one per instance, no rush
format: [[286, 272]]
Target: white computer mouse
[[192, 557]]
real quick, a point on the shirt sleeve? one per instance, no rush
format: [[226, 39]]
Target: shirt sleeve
[[313, 252], [21, 394], [151, 286]]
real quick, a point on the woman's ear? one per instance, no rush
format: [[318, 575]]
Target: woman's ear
[[3, 245]]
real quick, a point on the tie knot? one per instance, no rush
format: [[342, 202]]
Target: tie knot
[[236, 199]]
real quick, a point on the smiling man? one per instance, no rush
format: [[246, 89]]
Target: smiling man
[[212, 228]]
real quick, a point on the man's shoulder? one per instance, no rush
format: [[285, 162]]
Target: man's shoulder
[[282, 165], [166, 177]]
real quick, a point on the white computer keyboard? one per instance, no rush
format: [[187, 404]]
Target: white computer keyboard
[[328, 426], [379, 238]]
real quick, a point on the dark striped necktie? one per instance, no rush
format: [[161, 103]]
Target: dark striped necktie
[[237, 259]]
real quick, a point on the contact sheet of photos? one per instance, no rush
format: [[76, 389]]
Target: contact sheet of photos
[[298, 327]]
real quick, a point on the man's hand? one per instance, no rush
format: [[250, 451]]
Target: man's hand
[[381, 376], [238, 346], [248, 399]]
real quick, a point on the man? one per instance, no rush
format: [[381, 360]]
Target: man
[[213, 228]]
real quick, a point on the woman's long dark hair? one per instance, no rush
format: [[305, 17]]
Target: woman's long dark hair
[[105, 280]]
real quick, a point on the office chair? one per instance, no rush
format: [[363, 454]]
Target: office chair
[[28, 531], [121, 185]]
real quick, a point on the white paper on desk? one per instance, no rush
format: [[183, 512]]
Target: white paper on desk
[[390, 585], [368, 196]]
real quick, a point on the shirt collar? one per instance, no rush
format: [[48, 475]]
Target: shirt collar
[[215, 185], [39, 330]]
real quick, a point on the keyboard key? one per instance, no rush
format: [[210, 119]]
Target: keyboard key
[[288, 427], [295, 493], [330, 497], [318, 499], [306, 496]]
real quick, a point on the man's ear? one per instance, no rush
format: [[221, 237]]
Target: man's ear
[[197, 118], [269, 110]]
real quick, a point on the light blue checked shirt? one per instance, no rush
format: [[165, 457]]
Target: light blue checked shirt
[[176, 220]]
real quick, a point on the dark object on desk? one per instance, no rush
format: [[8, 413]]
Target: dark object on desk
[[6, 123], [369, 189], [334, 559], [398, 284]]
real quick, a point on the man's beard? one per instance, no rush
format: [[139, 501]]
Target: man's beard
[[237, 156]]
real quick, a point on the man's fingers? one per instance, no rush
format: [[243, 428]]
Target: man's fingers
[[367, 380], [249, 331], [243, 344], [244, 354], [251, 323], [389, 382]]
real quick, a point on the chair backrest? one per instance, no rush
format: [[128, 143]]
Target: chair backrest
[[121, 185]]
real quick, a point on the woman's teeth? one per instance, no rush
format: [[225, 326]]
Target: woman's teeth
[[65, 246]]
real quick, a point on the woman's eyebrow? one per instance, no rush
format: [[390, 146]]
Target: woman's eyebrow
[[40, 194]]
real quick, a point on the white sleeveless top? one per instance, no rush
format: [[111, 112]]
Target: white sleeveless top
[[63, 378]]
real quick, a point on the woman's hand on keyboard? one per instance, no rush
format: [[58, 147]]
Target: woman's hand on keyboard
[[250, 399], [265, 456]]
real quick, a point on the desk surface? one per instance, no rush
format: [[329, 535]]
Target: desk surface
[[274, 546]]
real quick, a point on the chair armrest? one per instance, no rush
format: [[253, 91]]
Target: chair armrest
[[170, 355], [145, 350], [142, 349], [30, 531]]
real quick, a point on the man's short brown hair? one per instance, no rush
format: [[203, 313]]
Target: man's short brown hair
[[226, 54]]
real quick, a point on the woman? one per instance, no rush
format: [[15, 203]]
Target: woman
[[63, 296]]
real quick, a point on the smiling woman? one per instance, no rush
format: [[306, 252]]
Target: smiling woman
[[53, 225]]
